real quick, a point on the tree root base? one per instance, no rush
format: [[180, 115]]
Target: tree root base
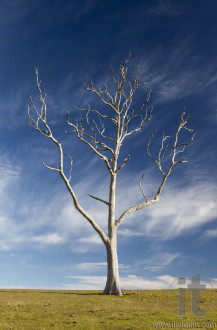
[[113, 292]]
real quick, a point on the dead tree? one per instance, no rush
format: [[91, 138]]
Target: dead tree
[[106, 144]]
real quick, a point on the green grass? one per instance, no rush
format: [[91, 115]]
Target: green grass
[[43, 309]]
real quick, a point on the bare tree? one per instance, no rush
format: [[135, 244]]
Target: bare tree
[[106, 143]]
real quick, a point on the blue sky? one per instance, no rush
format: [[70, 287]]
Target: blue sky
[[44, 242]]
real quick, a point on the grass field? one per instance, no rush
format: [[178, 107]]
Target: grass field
[[43, 309]]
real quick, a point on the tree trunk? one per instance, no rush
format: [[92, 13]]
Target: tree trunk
[[112, 285]]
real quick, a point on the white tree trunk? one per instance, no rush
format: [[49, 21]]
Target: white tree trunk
[[112, 285]]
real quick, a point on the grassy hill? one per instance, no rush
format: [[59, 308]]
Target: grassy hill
[[44, 309]]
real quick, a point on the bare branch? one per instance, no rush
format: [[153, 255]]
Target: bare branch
[[80, 136], [183, 122], [102, 135], [123, 163], [113, 76], [120, 83], [99, 94], [99, 199], [93, 138], [51, 167], [139, 128], [160, 158], [133, 209], [140, 186], [71, 161], [108, 94], [126, 119], [48, 133], [41, 117], [98, 113], [186, 143], [134, 115], [154, 160]]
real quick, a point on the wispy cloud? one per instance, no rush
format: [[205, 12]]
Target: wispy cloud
[[154, 268], [178, 72], [38, 223], [12, 107], [210, 233], [165, 8], [91, 265], [180, 211], [48, 239], [157, 262], [161, 260], [132, 282], [8, 175], [71, 10], [88, 266], [13, 11]]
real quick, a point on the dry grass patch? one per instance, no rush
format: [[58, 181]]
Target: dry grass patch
[[43, 309]]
